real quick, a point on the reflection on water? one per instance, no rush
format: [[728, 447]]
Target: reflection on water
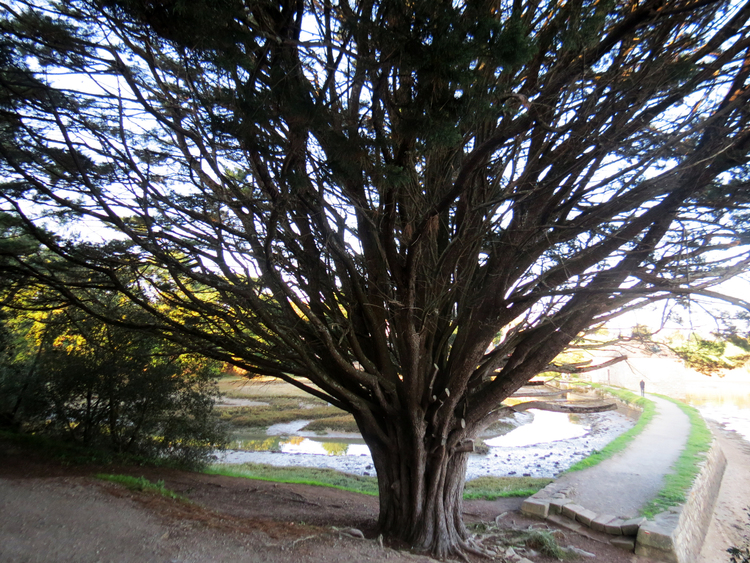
[[546, 427], [724, 406], [525, 429], [296, 445], [719, 399]]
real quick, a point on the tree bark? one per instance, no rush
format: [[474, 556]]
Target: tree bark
[[421, 484]]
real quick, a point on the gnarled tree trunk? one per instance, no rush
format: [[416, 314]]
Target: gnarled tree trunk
[[421, 485]]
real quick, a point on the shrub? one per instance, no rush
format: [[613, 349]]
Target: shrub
[[106, 386]]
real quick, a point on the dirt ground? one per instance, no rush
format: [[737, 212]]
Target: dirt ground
[[730, 525], [57, 513]]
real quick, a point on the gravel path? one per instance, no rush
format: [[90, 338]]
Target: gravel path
[[626, 482]]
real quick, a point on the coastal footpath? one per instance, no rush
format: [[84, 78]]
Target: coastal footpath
[[610, 496]]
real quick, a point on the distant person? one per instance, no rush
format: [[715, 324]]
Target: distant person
[[643, 387]]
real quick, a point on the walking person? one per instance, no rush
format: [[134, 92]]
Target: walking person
[[643, 387]]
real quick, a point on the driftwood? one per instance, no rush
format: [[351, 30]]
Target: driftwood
[[535, 393], [565, 407]]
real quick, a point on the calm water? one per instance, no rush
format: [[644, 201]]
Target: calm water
[[289, 438], [727, 402], [724, 406], [519, 430], [543, 445], [535, 443], [545, 427]]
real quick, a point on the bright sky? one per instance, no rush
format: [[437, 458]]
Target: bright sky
[[699, 318]]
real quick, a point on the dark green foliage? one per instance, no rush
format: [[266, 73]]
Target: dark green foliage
[[709, 356], [68, 375]]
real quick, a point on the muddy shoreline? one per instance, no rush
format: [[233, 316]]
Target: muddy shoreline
[[542, 459]]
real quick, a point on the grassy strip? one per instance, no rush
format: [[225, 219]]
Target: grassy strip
[[343, 423], [267, 415], [260, 388], [685, 469], [299, 475], [624, 439], [141, 484], [488, 488], [491, 488]]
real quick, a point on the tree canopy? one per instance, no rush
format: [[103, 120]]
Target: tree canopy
[[359, 197]]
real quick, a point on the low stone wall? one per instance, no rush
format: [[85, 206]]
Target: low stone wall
[[678, 534], [675, 535]]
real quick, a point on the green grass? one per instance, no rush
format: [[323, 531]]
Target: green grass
[[343, 423], [281, 409], [260, 388], [624, 439], [278, 410], [487, 488], [685, 469], [300, 475], [545, 542], [491, 488], [141, 484]]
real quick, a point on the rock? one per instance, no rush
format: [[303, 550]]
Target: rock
[[585, 516], [580, 552], [599, 523], [614, 528], [630, 527], [353, 532], [570, 510], [556, 505], [625, 542], [535, 507]]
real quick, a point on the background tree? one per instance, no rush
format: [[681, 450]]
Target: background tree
[[365, 194], [65, 373]]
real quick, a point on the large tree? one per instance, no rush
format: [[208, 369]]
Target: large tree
[[358, 197]]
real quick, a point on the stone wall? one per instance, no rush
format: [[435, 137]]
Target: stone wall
[[678, 534]]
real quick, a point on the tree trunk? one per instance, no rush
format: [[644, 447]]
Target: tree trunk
[[421, 487]]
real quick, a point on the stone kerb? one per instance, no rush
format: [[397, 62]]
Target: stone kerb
[[675, 535], [678, 534]]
